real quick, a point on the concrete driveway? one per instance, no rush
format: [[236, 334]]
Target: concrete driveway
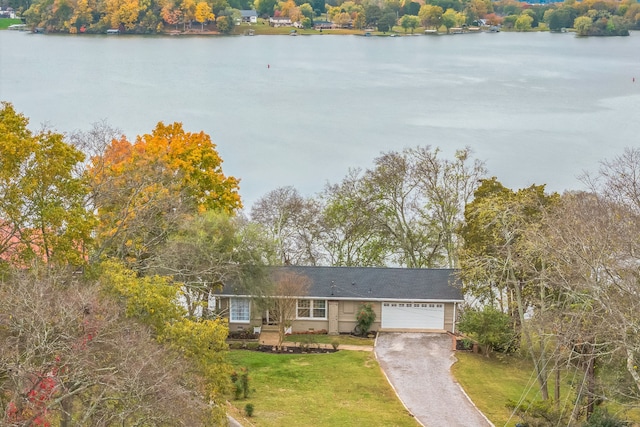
[[417, 365]]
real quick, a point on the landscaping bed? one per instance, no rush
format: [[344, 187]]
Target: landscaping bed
[[243, 335], [294, 349]]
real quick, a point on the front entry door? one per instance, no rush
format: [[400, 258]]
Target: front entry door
[[333, 318]]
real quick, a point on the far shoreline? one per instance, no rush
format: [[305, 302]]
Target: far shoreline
[[267, 30]]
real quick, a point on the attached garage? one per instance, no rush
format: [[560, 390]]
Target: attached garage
[[412, 315]]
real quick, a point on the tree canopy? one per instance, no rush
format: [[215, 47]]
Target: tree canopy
[[43, 216], [143, 190], [95, 344]]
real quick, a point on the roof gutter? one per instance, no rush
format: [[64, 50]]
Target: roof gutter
[[334, 298]]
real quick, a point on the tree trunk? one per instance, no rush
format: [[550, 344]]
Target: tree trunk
[[556, 394], [538, 362], [632, 368], [591, 383], [65, 419]]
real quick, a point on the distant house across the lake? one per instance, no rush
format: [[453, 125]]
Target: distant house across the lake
[[323, 25], [249, 16], [280, 21], [7, 13]]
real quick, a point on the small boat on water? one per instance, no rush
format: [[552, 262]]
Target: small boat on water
[[18, 27]]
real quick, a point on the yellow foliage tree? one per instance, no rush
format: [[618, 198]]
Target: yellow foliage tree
[[153, 300], [43, 216], [188, 8], [286, 7], [203, 13], [122, 12]]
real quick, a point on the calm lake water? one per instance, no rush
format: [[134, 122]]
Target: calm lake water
[[538, 107]]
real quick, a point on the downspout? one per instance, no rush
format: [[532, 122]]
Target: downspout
[[453, 324]]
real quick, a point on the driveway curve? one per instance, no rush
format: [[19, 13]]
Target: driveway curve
[[418, 367]]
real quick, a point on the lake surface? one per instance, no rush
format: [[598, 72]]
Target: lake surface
[[537, 107]]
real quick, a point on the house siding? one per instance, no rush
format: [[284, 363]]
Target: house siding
[[308, 325], [346, 317], [449, 313]]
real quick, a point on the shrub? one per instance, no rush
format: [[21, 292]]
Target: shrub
[[248, 409], [252, 346], [467, 344], [490, 327], [243, 335], [307, 341], [602, 418], [240, 383], [537, 414], [364, 318], [237, 389], [335, 344]]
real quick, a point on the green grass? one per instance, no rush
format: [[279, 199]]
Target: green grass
[[338, 389], [491, 382], [5, 22], [328, 339], [266, 29]]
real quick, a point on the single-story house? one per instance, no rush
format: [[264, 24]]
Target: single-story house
[[323, 25], [280, 21], [7, 13], [249, 16], [404, 299]]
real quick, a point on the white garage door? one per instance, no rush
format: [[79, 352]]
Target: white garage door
[[412, 315]]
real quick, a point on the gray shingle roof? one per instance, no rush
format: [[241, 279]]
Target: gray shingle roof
[[366, 283]]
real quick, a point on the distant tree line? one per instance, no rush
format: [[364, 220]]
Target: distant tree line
[[597, 17]]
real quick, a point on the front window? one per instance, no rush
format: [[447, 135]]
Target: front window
[[312, 309], [320, 309], [239, 311]]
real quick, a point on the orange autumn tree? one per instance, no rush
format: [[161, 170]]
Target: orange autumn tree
[[143, 190]]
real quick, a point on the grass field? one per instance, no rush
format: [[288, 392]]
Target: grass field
[[5, 22], [346, 388]]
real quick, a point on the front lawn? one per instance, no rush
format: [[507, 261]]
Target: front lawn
[[338, 389], [6, 22]]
